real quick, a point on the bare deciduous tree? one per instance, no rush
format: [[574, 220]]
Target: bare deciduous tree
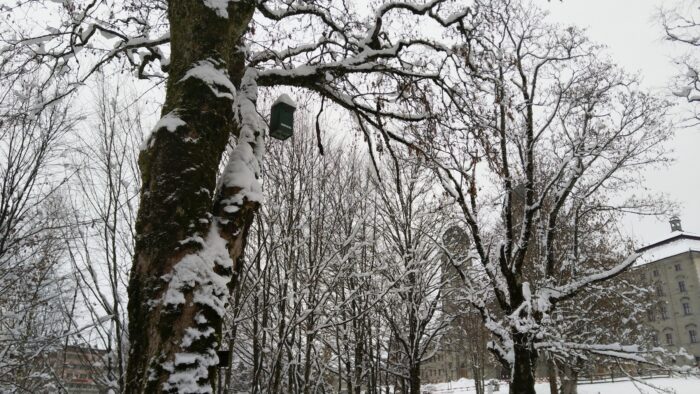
[[192, 225], [34, 289], [681, 27], [550, 133]]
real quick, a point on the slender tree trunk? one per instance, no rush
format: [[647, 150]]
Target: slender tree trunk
[[523, 371], [569, 380], [414, 378], [173, 340], [478, 379], [358, 355], [553, 378], [310, 337]]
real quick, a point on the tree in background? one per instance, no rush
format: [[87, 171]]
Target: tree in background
[[192, 223], [681, 27], [301, 325], [35, 290], [527, 128], [409, 230], [552, 134], [105, 191]]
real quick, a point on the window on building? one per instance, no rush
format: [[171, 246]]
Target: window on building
[[677, 267], [664, 312], [669, 338], [681, 286], [686, 308], [655, 339], [693, 336], [652, 316], [660, 289], [656, 272]]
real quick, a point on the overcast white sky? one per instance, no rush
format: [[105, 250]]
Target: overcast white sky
[[634, 39]]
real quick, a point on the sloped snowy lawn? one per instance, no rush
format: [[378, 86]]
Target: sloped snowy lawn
[[672, 385], [677, 385]]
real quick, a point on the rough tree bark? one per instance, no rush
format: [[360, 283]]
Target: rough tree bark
[[569, 380], [173, 344], [414, 378], [523, 369]]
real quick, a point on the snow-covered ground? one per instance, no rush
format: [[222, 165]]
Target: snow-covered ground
[[665, 385]]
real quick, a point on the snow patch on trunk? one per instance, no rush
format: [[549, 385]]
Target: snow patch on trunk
[[220, 7], [212, 73], [197, 271], [186, 381], [171, 121]]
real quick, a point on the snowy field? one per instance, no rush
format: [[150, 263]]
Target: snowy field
[[665, 385]]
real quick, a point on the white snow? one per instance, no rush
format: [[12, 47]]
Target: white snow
[[682, 245], [676, 385], [284, 98], [196, 271], [219, 6], [193, 334], [216, 78], [171, 121], [186, 381], [243, 167], [683, 92]]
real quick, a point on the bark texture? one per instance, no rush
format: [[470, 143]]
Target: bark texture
[[569, 380], [523, 370], [173, 345]]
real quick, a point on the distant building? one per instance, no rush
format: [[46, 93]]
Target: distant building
[[78, 369], [671, 270], [462, 352]]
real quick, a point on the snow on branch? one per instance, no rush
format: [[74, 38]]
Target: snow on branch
[[245, 160], [342, 49], [615, 350], [546, 297]]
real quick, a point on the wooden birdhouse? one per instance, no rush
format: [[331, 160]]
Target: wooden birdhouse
[[282, 118]]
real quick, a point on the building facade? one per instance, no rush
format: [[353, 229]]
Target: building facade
[[79, 369], [462, 351], [670, 269]]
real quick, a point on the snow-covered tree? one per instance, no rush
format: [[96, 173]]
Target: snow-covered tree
[[410, 227], [34, 289], [527, 127], [552, 137], [104, 194], [193, 223], [302, 319], [681, 27]]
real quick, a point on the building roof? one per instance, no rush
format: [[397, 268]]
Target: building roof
[[676, 243]]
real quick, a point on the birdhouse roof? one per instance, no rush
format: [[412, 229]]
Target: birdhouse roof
[[284, 98]]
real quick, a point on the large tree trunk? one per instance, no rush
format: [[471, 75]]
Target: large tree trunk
[[522, 379], [179, 279], [414, 378]]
